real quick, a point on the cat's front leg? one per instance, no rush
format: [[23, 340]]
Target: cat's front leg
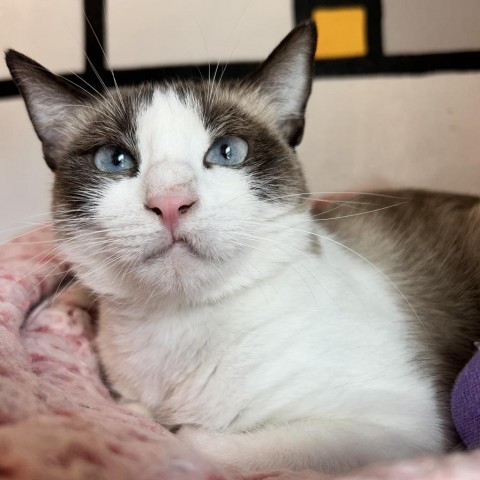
[[328, 446]]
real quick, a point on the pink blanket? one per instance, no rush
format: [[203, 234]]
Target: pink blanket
[[57, 420]]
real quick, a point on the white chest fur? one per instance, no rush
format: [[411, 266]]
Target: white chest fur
[[324, 338]]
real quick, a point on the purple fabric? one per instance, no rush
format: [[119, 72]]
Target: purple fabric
[[466, 403]]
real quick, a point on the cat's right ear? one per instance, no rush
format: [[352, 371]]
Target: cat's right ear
[[286, 78], [50, 102]]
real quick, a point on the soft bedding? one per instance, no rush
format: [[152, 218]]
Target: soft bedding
[[57, 419]]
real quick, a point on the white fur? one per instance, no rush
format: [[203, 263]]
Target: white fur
[[269, 355]]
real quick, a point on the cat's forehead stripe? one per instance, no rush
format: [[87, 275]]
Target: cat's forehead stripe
[[170, 128]]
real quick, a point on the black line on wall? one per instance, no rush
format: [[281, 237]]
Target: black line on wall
[[375, 63], [399, 65], [135, 76], [95, 35], [8, 89], [303, 8], [374, 28], [408, 65]]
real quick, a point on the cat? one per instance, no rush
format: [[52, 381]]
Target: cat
[[229, 312]]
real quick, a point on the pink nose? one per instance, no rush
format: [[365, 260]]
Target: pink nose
[[170, 207]]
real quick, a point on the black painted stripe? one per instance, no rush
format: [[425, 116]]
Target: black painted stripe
[[375, 63], [399, 64], [95, 33]]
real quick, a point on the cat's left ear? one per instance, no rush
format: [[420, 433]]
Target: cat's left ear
[[51, 102], [286, 78]]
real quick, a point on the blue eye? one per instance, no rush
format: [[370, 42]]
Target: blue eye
[[113, 159], [227, 151]]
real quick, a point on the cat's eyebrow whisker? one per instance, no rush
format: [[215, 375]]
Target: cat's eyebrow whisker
[[85, 83], [222, 73], [107, 101], [71, 82], [111, 102], [199, 72], [39, 67], [212, 92], [102, 83], [234, 46], [83, 89], [106, 58], [210, 86], [204, 44]]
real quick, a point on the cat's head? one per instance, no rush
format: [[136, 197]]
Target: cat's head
[[186, 189]]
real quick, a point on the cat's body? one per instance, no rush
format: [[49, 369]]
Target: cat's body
[[318, 358], [265, 337], [427, 245]]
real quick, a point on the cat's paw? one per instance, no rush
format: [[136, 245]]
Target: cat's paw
[[215, 447], [136, 407], [198, 438]]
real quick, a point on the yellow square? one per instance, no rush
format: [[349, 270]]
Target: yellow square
[[341, 32]]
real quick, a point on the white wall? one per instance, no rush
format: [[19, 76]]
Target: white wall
[[362, 133], [418, 131]]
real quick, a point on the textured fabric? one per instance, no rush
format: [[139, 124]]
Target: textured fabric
[[466, 403], [57, 420]]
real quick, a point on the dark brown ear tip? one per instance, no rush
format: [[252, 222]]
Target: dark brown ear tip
[[308, 29], [14, 58], [312, 27], [10, 56], [309, 24]]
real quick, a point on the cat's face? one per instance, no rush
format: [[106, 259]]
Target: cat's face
[[184, 189]]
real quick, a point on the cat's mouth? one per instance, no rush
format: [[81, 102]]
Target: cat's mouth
[[176, 247]]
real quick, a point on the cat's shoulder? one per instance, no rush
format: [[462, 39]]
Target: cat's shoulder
[[406, 211]]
